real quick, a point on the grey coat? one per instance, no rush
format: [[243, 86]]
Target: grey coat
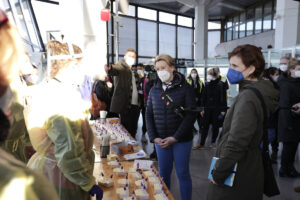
[[121, 99], [240, 143]]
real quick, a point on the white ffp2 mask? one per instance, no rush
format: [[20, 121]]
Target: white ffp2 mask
[[163, 75]]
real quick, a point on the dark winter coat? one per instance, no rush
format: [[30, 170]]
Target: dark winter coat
[[121, 99], [163, 122], [240, 143], [288, 122]]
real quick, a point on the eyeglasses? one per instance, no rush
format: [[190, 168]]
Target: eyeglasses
[[3, 18]]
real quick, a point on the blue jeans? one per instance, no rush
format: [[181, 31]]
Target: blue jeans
[[179, 153]]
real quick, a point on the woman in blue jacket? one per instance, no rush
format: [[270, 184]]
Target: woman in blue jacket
[[168, 127]]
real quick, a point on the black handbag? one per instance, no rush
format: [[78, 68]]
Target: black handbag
[[270, 184]]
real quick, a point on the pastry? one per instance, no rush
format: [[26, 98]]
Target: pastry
[[141, 184], [123, 192], [161, 196], [120, 171], [113, 164], [142, 194], [136, 176], [158, 188], [154, 180]]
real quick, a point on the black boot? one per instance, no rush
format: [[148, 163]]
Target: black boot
[[291, 172]]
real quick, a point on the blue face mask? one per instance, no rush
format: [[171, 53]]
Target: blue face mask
[[234, 76]]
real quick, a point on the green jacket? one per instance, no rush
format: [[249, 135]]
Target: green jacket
[[19, 182], [121, 99], [240, 143]]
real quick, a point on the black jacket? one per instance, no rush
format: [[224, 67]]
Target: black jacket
[[214, 95], [163, 122], [288, 122]]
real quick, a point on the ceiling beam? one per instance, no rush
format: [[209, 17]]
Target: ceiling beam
[[153, 1], [231, 6], [189, 3], [184, 9]]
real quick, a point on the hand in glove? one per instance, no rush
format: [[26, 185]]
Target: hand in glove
[[86, 89], [96, 190]]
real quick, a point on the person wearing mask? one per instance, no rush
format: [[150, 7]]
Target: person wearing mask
[[283, 65], [58, 127], [16, 180], [222, 78], [170, 129], [289, 122], [196, 83], [142, 82], [125, 99], [272, 74], [215, 105], [242, 131]]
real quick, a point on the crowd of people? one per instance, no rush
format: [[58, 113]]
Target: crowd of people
[[54, 139]]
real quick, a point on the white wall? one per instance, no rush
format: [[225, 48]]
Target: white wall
[[260, 40]]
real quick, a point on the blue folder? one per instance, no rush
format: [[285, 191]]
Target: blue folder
[[230, 179]]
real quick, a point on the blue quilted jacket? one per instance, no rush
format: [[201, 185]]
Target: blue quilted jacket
[[163, 122]]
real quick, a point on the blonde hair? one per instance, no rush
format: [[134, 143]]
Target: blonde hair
[[164, 57], [12, 52], [57, 48], [293, 63]]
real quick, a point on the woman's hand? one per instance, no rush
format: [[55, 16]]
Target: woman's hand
[[212, 181], [167, 142], [157, 141], [202, 113], [297, 108]]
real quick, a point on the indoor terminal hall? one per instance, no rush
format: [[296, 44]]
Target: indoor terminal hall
[[149, 99]]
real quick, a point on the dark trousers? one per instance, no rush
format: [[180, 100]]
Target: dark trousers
[[129, 119], [288, 155], [210, 117], [143, 110]]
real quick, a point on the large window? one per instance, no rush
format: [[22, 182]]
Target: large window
[[147, 38], [229, 29], [151, 32], [185, 21], [147, 13], [21, 15], [167, 17], [127, 34], [42, 12], [267, 24], [185, 42], [167, 39], [213, 40], [250, 23], [258, 19], [242, 25], [254, 20]]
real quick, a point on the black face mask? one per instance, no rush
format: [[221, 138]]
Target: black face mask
[[4, 126]]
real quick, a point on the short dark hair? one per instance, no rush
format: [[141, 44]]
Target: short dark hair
[[140, 65], [130, 50], [250, 55]]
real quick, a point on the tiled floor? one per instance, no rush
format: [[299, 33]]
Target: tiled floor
[[199, 166]]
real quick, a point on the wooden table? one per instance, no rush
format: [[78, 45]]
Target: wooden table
[[103, 167]]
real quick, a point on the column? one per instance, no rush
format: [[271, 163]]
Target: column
[[201, 31], [287, 23]]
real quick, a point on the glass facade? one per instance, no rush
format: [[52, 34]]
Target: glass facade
[[254, 20], [151, 32]]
